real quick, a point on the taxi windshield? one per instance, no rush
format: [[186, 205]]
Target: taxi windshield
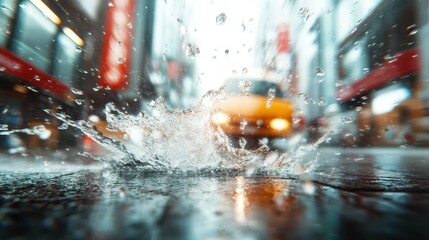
[[252, 87]]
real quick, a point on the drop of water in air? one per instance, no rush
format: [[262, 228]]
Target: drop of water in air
[[31, 88], [243, 124], [242, 142], [271, 95], [322, 101], [76, 91], [63, 126], [338, 83], [244, 87], [192, 50], [320, 72], [97, 88], [413, 32], [347, 120], [220, 19]]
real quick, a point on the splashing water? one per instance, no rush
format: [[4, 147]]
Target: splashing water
[[164, 140]]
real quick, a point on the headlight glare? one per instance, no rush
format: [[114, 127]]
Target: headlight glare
[[279, 124], [220, 118]]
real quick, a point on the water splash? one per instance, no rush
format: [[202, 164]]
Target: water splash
[[165, 140]]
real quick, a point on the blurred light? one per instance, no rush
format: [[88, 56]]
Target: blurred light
[[279, 124], [20, 89], [241, 202], [386, 102], [46, 11], [220, 118], [73, 36]]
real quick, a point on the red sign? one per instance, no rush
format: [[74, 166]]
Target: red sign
[[406, 62], [282, 38], [117, 45], [15, 66]]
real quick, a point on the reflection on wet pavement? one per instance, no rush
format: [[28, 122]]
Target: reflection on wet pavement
[[107, 204]]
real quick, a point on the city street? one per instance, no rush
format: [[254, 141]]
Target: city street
[[374, 193]]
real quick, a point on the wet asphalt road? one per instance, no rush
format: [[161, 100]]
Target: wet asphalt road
[[349, 194]]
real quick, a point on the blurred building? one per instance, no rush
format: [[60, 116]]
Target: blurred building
[[173, 54], [71, 57], [356, 67]]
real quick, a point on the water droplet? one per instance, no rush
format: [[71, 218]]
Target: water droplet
[[307, 100], [220, 19], [244, 71], [31, 88], [411, 26], [244, 87], [242, 142], [271, 95], [243, 124], [338, 83], [130, 26], [79, 101], [2, 69], [4, 127], [304, 14], [36, 77], [413, 32], [96, 88], [76, 91], [78, 49], [120, 44], [358, 109], [192, 50], [320, 72], [347, 120], [120, 60], [110, 4], [322, 101], [38, 129], [63, 126]]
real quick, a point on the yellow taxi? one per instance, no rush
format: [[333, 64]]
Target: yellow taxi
[[254, 108]]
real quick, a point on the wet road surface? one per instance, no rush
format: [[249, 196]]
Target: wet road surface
[[349, 194]]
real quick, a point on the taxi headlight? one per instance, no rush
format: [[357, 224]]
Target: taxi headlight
[[279, 124], [220, 118]]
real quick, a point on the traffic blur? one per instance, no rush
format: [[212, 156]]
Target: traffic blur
[[352, 73]]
